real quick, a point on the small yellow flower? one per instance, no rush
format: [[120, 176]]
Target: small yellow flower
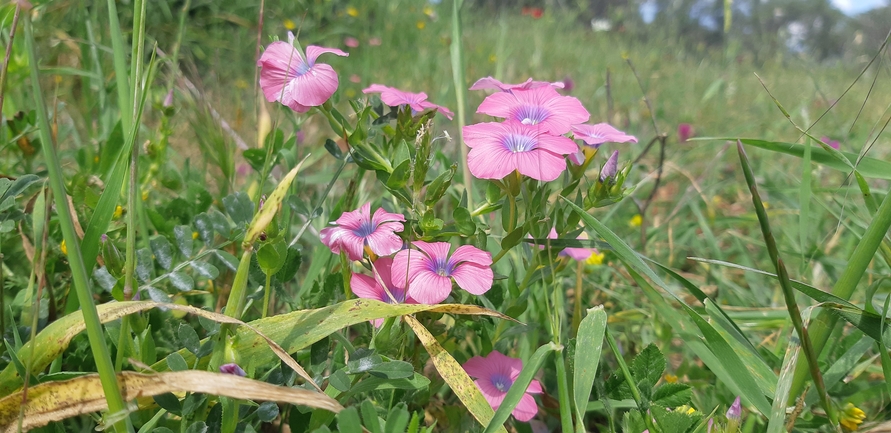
[[670, 378], [428, 11], [118, 211], [353, 12], [144, 195], [635, 221], [493, 58], [421, 25], [595, 259], [63, 247], [290, 25], [194, 235], [766, 205], [685, 409], [241, 84], [57, 79], [852, 417], [96, 159], [350, 93]]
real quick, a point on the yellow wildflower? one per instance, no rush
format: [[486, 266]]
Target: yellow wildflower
[[96, 159], [421, 25], [635, 221], [685, 409], [766, 205], [352, 11], [493, 58], [63, 247], [428, 11], [851, 417], [144, 195], [241, 84], [595, 259], [290, 25], [670, 378], [194, 235], [118, 211]]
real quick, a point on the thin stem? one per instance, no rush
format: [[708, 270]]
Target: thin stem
[[95, 335], [457, 54], [15, 23], [130, 253], [120, 66], [266, 289], [577, 310], [626, 373], [136, 61]]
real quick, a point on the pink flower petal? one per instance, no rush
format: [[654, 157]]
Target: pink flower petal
[[470, 253], [577, 158], [434, 250], [313, 52], [489, 162], [315, 86], [479, 367], [384, 242], [534, 387], [428, 287], [540, 164], [595, 135], [445, 111], [279, 64], [366, 287], [354, 245], [526, 409], [472, 278], [353, 220], [381, 216], [541, 106], [406, 265]]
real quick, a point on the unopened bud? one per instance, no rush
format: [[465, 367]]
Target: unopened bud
[[611, 168], [232, 368], [168, 100]]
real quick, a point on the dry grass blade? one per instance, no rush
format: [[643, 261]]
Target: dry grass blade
[[54, 401]]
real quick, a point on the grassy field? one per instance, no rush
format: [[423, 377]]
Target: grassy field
[[203, 161]]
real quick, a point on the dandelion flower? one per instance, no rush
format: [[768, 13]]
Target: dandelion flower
[[357, 229], [497, 149], [429, 271], [294, 79], [416, 101], [495, 375], [541, 106]]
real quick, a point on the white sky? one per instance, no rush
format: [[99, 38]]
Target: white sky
[[852, 7]]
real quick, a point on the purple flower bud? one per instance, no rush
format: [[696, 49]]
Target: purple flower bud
[[611, 168], [568, 84], [104, 237], [168, 100], [832, 143], [232, 369], [711, 423], [735, 410], [685, 131]]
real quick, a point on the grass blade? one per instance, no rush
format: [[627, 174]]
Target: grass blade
[[457, 53], [590, 340], [518, 388], [804, 201], [75, 259]]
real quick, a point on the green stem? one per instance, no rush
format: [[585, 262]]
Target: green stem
[[230, 415], [266, 290], [120, 66], [174, 56], [234, 305], [563, 392], [136, 62], [577, 310], [457, 54], [93, 326], [130, 253], [844, 288]]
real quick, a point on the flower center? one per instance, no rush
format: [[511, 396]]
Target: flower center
[[501, 382], [531, 114], [442, 267], [365, 230], [519, 143]]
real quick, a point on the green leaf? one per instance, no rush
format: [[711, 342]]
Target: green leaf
[[144, 264], [169, 402], [400, 175], [182, 281], [648, 365], [672, 395], [518, 388], [271, 256], [590, 340], [204, 225], [183, 235], [672, 421], [18, 186], [268, 411], [369, 414], [197, 427], [438, 187], [239, 207], [463, 222], [348, 421], [393, 370], [256, 158], [163, 251], [105, 279], [332, 148], [176, 362], [340, 381], [372, 383], [189, 338], [205, 269]]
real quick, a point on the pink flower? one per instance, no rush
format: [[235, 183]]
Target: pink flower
[[429, 271], [355, 78], [495, 375], [595, 135], [574, 253], [541, 106], [491, 83], [296, 80], [367, 287], [351, 42], [685, 131], [568, 84], [395, 98], [831, 143], [354, 230], [497, 149], [374, 42]]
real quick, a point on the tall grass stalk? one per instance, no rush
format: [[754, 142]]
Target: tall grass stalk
[[79, 274], [845, 286], [120, 66], [457, 54]]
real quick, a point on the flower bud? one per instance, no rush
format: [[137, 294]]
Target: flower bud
[[611, 168], [232, 368]]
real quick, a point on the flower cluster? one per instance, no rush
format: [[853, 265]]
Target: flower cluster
[[422, 275], [532, 138]]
